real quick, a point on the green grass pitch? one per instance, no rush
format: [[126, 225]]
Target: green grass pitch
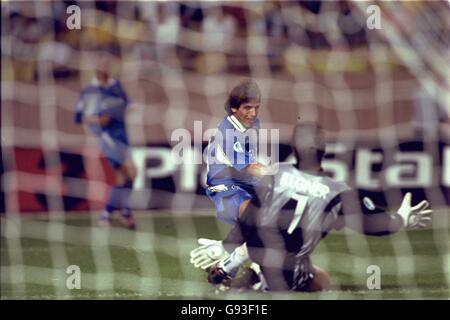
[[152, 262]]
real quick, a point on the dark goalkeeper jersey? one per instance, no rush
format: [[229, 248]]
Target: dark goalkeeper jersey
[[300, 206]]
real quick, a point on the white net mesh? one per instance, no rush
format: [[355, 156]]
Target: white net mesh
[[378, 93]]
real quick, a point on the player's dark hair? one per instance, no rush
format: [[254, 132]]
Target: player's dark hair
[[244, 92], [308, 144]]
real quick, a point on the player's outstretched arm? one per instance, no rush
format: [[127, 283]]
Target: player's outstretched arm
[[363, 216]]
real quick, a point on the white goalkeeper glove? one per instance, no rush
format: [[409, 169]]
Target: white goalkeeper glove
[[208, 253], [414, 217]]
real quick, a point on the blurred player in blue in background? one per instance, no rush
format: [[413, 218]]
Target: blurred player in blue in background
[[102, 106]]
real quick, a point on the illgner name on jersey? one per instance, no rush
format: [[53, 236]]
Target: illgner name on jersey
[[304, 185]]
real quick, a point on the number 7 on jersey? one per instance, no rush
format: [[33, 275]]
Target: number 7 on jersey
[[299, 209]]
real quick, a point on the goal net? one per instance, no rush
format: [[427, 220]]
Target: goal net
[[374, 75]]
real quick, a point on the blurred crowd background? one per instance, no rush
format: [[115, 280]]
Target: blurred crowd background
[[177, 60]]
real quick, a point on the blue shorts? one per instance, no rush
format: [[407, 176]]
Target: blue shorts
[[228, 202], [115, 151]]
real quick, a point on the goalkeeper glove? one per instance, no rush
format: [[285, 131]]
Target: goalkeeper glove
[[208, 253], [414, 217]]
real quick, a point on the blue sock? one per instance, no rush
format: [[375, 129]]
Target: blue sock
[[126, 191], [114, 202]]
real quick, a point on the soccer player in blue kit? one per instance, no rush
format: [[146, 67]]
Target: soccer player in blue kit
[[233, 169], [232, 166], [102, 106]]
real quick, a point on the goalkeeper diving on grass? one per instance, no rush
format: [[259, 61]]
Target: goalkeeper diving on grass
[[292, 211]]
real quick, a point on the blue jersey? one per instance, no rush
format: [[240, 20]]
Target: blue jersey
[[96, 100], [230, 152]]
